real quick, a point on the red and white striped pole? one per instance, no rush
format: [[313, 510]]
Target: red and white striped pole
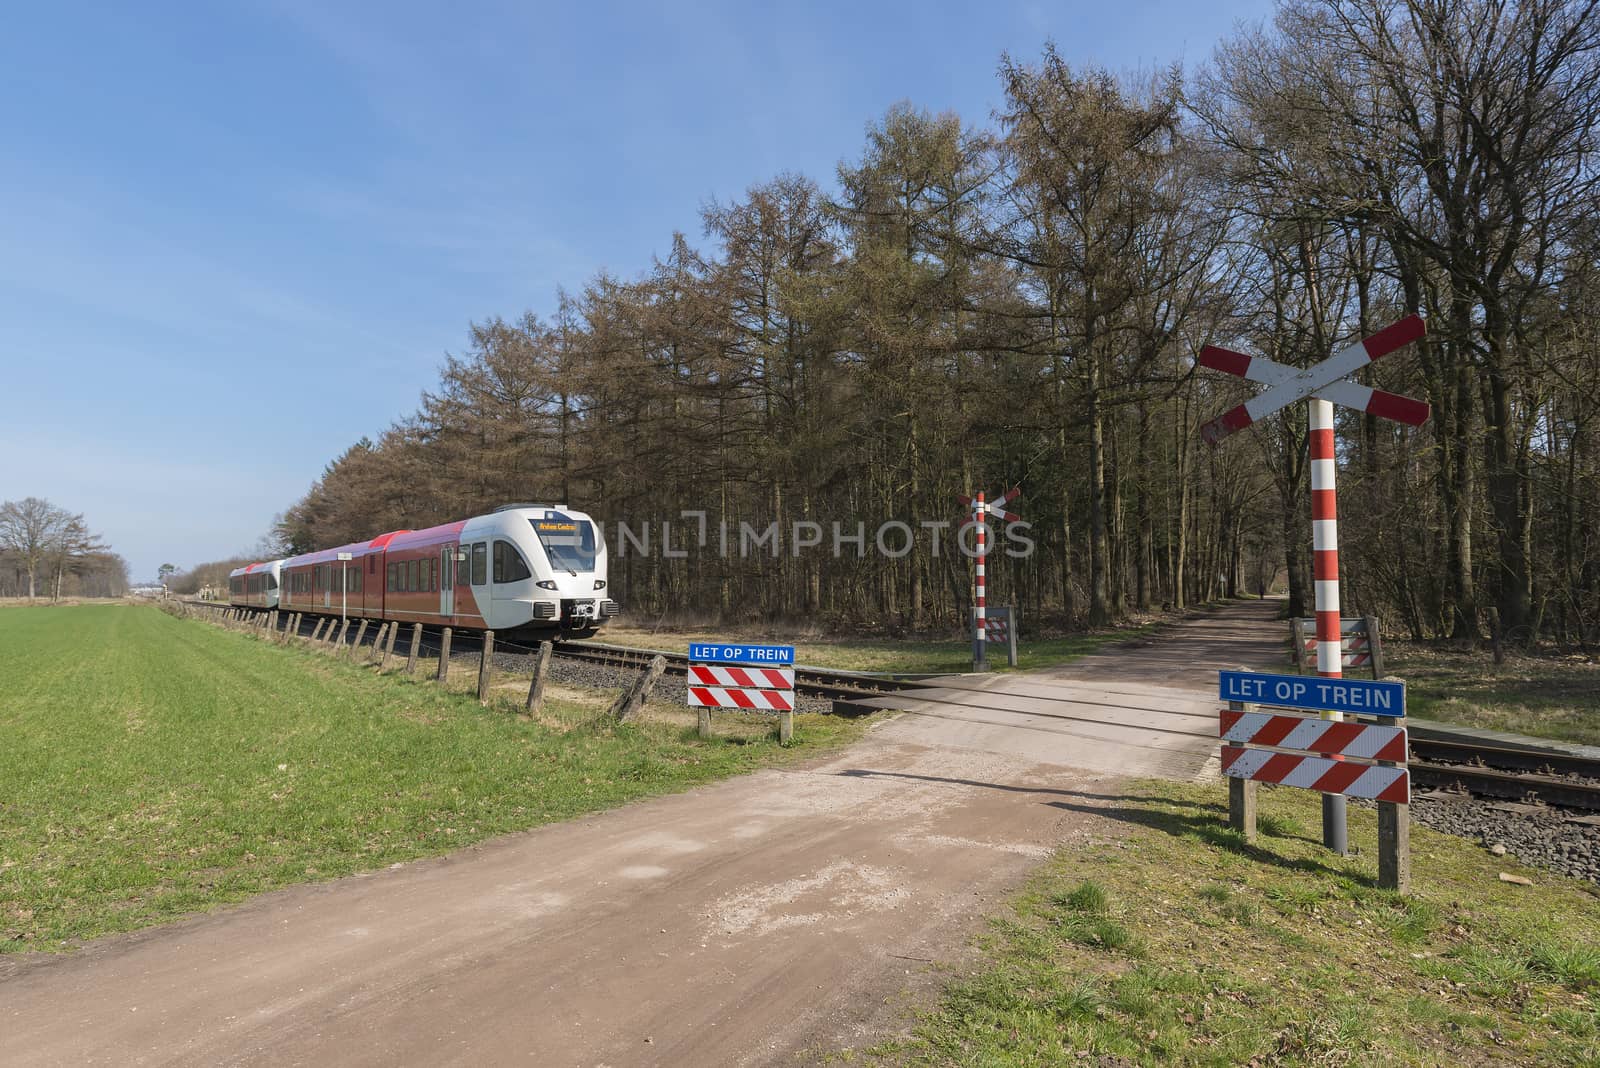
[[980, 636], [1325, 579]]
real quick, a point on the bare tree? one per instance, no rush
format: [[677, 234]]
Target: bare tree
[[33, 529]]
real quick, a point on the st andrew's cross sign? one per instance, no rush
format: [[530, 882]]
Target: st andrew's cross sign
[[1321, 386]]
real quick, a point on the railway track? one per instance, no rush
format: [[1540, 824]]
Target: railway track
[[813, 682], [1507, 773], [1482, 769]]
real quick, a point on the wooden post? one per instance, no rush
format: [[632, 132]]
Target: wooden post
[[388, 646], [785, 727], [632, 700], [316, 631], [339, 643], [272, 623], [1394, 835], [1242, 794], [444, 656], [1374, 645], [377, 642], [416, 643], [705, 723], [541, 670], [361, 636], [1011, 636], [1394, 846], [486, 667]]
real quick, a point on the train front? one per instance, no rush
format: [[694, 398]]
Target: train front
[[568, 560]]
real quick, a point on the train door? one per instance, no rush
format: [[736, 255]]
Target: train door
[[478, 577], [447, 581]]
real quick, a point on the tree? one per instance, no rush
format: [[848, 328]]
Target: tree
[[33, 529], [164, 572]]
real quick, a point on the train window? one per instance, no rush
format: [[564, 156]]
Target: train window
[[509, 566], [416, 575], [427, 574], [463, 566], [390, 579], [272, 582], [480, 564]]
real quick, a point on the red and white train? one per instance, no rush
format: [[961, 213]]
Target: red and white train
[[525, 569]]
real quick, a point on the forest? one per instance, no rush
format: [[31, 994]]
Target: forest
[[977, 302]]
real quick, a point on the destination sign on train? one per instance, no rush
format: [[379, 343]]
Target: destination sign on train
[[1356, 696], [716, 652]]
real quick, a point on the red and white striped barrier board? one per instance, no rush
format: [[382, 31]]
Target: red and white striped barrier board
[[746, 677], [733, 697], [1357, 650], [1355, 643], [1325, 736], [723, 675], [1374, 781], [995, 629], [1289, 384]]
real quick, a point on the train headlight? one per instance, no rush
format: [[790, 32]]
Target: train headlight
[[599, 584], [545, 584]]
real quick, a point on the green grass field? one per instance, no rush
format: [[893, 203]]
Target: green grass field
[[154, 766], [1180, 944]]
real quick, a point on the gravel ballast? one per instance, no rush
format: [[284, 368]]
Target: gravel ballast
[[1534, 834]]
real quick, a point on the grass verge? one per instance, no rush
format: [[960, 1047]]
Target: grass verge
[[896, 655], [1178, 943], [154, 766], [1546, 697]]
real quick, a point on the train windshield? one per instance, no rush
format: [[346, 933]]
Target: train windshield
[[568, 542]]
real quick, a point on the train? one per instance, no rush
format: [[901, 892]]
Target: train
[[524, 571]]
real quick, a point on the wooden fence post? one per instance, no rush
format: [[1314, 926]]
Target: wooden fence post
[[416, 643], [388, 646], [541, 671], [1374, 645], [444, 656], [316, 631], [377, 642], [486, 667], [785, 726], [705, 723], [1242, 792], [339, 644], [632, 700], [355, 646]]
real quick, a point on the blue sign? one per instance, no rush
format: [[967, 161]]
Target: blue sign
[[716, 653], [1314, 692]]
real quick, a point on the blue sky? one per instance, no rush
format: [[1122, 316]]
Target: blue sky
[[207, 204]]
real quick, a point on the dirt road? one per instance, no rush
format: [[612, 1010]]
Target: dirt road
[[741, 923]]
